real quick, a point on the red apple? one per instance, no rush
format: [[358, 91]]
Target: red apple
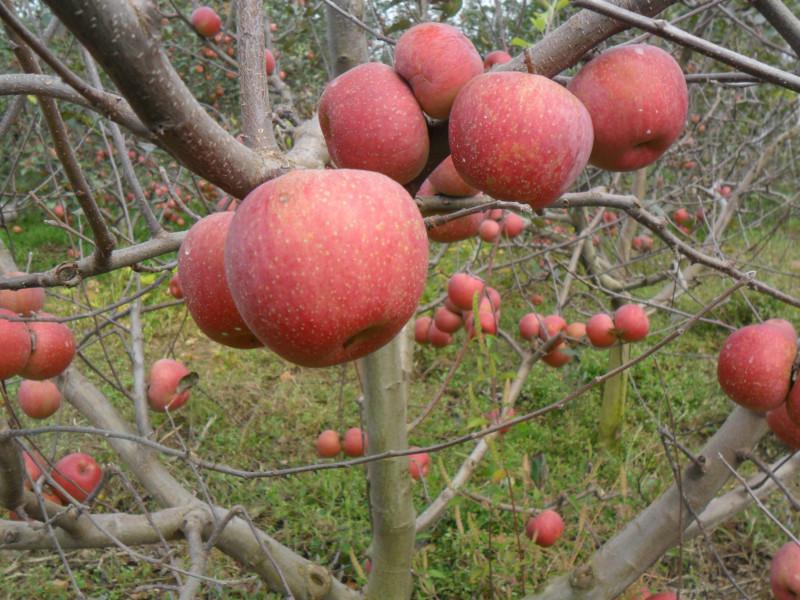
[[600, 331], [576, 330], [418, 465], [489, 231], [436, 60], [519, 137], [78, 474], [25, 301], [355, 442], [638, 101], [755, 366], [421, 327], [551, 325], [227, 203], [545, 528], [537, 299], [342, 256], [38, 399], [269, 62], [206, 21], [784, 427], [461, 289], [447, 321], [784, 572], [631, 322], [496, 57], [328, 444], [513, 225], [785, 326], [438, 338], [557, 358], [162, 390], [725, 191], [175, 287], [371, 121], [682, 216], [53, 349], [447, 182], [793, 403], [529, 326], [201, 268], [15, 350], [663, 596]]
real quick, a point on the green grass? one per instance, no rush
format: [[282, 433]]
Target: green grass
[[254, 410]]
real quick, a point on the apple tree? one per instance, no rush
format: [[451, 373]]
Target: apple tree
[[392, 189]]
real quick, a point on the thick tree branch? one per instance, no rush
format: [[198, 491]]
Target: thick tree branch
[[123, 37], [347, 41]]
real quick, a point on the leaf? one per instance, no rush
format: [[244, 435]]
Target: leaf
[[539, 469], [399, 25], [519, 42], [477, 422], [499, 475]]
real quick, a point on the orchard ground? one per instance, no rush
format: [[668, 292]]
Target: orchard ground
[[253, 410]]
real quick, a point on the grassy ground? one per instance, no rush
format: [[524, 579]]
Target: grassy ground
[[256, 411]]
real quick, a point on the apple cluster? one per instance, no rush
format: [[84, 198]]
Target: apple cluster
[[629, 324], [754, 369], [515, 136], [353, 445], [34, 349], [465, 294], [77, 474]]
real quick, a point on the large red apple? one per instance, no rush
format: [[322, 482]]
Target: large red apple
[[206, 21], [784, 572], [519, 137], [545, 528], [638, 100], [437, 60], [53, 349], [327, 266], [201, 269], [15, 349], [754, 367], [163, 382], [38, 399], [371, 120], [78, 474], [25, 301]]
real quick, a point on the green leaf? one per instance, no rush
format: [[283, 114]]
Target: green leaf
[[521, 44]]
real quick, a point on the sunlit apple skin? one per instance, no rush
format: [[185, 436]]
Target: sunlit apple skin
[[38, 399], [754, 367], [371, 120], [206, 21], [638, 101], [784, 572], [163, 381], [201, 269], [15, 349], [78, 474], [25, 301], [341, 256], [53, 349], [436, 60], [519, 137]]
